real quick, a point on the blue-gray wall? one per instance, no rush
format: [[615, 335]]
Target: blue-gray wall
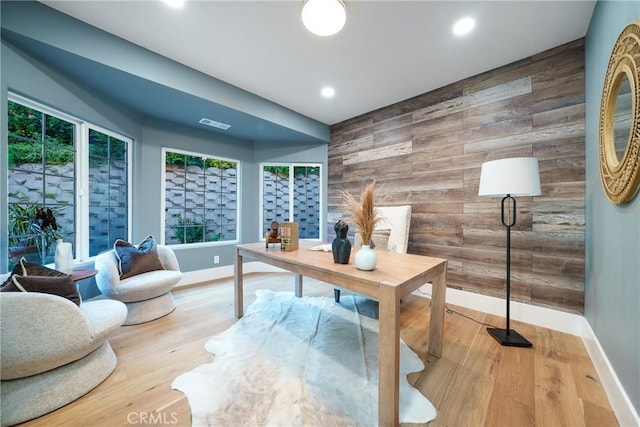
[[612, 259], [30, 76]]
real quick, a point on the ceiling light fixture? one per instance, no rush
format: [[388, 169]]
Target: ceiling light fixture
[[324, 17], [328, 92], [463, 26], [175, 3]]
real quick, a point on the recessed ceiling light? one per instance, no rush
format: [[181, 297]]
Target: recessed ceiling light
[[463, 26], [328, 92], [175, 3]]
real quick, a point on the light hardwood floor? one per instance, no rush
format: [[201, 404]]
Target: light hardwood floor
[[476, 382]]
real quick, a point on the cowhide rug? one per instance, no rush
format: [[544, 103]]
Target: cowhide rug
[[299, 362]]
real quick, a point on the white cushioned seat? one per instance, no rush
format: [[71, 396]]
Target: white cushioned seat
[[147, 295], [53, 351], [147, 285]]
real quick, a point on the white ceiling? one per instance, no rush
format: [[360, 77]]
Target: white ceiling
[[387, 52]]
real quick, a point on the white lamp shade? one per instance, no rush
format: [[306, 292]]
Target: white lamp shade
[[517, 176], [324, 17]]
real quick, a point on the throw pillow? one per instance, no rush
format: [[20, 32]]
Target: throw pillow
[[134, 260], [26, 268], [31, 269], [62, 286], [17, 269]]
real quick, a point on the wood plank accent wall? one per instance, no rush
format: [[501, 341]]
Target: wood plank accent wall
[[427, 151]]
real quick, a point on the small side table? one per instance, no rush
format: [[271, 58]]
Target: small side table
[[81, 274]]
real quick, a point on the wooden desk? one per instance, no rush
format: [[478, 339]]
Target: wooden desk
[[395, 276]]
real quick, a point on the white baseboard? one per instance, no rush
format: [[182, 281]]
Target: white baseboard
[[569, 323], [618, 398], [534, 315]]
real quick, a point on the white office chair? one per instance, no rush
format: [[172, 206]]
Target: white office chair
[[398, 220]]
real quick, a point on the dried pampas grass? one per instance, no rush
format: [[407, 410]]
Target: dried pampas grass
[[361, 213]]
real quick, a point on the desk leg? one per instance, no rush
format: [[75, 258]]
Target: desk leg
[[238, 295], [389, 357], [436, 322], [298, 285]]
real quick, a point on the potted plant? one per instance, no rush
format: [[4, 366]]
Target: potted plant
[[32, 232]]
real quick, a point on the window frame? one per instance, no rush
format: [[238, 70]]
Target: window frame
[[81, 183], [163, 222], [292, 166]]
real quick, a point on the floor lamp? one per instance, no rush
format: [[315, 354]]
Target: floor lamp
[[507, 178]]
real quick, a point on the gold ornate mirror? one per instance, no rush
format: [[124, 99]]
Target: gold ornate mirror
[[620, 118]]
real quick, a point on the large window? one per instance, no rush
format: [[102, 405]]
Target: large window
[[200, 198], [292, 192], [67, 179]]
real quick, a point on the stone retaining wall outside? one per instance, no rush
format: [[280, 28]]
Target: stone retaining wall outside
[[215, 212]]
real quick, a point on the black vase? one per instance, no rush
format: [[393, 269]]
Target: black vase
[[341, 246]]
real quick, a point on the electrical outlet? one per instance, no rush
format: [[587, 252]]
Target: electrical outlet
[[216, 259]]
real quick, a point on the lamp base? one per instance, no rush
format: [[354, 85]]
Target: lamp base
[[511, 339]]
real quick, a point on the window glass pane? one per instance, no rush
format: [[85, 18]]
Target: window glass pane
[[98, 144], [25, 154], [118, 227], [194, 202], [117, 151], [59, 147], [200, 198], [108, 191], [228, 231], [193, 230], [117, 196], [24, 122], [65, 217], [174, 199], [304, 196], [230, 181], [174, 235], [100, 199], [99, 239], [60, 190], [41, 201], [174, 230], [214, 234], [276, 195], [25, 187], [58, 132]]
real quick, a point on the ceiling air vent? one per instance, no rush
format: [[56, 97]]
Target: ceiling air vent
[[214, 124]]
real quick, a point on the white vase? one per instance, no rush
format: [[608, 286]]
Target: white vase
[[64, 257], [366, 258]]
